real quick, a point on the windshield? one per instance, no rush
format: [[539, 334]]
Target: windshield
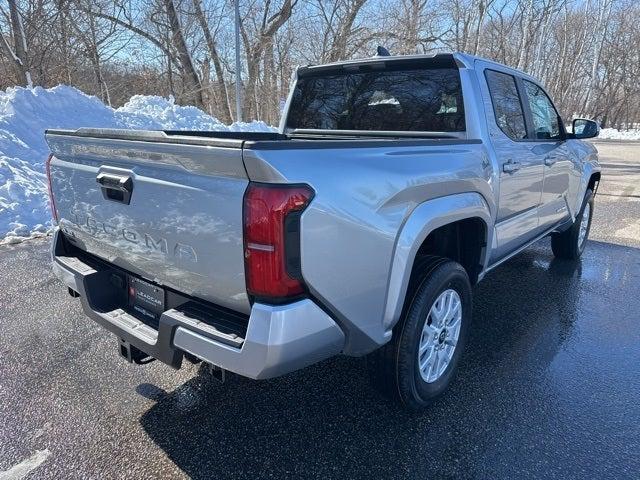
[[414, 100]]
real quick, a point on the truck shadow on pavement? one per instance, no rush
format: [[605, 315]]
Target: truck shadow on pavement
[[327, 421]]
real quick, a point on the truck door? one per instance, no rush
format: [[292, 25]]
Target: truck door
[[521, 169], [549, 145]]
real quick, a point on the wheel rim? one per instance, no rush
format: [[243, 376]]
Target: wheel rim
[[584, 225], [439, 335]]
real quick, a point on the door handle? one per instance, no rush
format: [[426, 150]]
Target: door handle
[[117, 188], [550, 160], [510, 166]]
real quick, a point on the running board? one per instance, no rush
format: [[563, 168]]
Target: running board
[[523, 247]]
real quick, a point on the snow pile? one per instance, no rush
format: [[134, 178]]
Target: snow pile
[[615, 134], [158, 113], [26, 113], [150, 112]]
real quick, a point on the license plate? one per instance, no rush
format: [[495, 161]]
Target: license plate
[[146, 299]]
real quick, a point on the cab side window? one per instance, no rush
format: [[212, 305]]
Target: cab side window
[[546, 121], [507, 106]]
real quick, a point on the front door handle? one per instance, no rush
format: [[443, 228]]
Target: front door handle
[[550, 160], [510, 166]]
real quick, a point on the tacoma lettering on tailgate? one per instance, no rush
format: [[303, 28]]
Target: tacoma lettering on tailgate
[[100, 229]]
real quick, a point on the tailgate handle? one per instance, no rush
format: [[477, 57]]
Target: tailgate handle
[[117, 188]]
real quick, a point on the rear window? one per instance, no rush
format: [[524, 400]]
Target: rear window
[[419, 100]]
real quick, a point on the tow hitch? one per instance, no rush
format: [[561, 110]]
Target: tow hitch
[[217, 373], [133, 354]]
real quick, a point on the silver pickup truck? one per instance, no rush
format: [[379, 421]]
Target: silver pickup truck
[[393, 186]]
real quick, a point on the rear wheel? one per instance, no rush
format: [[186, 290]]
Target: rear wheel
[[419, 362], [570, 243]]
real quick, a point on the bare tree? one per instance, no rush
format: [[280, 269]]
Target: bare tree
[[93, 37], [222, 96], [586, 52], [258, 31], [19, 53], [604, 12], [192, 80]]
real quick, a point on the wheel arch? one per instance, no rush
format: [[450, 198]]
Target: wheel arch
[[590, 178], [594, 181], [466, 215]]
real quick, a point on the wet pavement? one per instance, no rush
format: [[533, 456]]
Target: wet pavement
[[549, 386]]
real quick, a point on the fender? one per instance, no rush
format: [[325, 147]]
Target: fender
[[589, 165], [424, 219], [588, 170]]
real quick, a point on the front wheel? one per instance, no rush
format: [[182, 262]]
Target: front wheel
[[420, 361], [570, 243]]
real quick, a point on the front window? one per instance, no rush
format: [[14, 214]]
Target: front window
[[546, 121]]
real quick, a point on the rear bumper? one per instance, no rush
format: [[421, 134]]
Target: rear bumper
[[279, 339]]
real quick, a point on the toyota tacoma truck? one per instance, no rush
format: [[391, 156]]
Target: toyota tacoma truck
[[393, 185]]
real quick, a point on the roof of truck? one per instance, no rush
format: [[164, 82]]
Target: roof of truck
[[458, 59]]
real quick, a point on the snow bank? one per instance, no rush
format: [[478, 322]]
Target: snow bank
[[26, 113], [612, 133], [157, 113]]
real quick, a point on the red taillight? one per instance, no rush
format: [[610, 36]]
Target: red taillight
[[52, 203], [272, 239]]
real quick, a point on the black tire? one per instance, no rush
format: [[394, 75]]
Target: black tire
[[394, 367], [566, 244]]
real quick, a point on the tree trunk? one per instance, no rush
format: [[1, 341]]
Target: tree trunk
[[482, 10], [338, 49], [61, 6], [207, 94], [221, 87], [255, 51], [97, 71], [527, 18], [604, 11], [270, 82], [172, 87], [94, 53], [191, 78], [19, 55], [250, 109]]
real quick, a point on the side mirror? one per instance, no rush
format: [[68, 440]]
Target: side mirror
[[583, 128]]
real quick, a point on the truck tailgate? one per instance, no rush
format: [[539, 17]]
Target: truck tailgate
[[161, 207]]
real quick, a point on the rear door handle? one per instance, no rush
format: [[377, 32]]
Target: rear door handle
[[117, 188], [510, 166], [550, 160]]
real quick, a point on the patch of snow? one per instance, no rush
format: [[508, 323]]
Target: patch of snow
[[25, 113], [254, 126], [615, 134], [158, 113], [150, 112]]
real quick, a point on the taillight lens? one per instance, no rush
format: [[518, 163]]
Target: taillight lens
[[52, 203], [272, 239]]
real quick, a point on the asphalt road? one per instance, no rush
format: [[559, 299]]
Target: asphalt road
[[549, 386]]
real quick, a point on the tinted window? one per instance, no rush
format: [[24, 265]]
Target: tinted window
[[546, 122], [506, 104], [425, 100]]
